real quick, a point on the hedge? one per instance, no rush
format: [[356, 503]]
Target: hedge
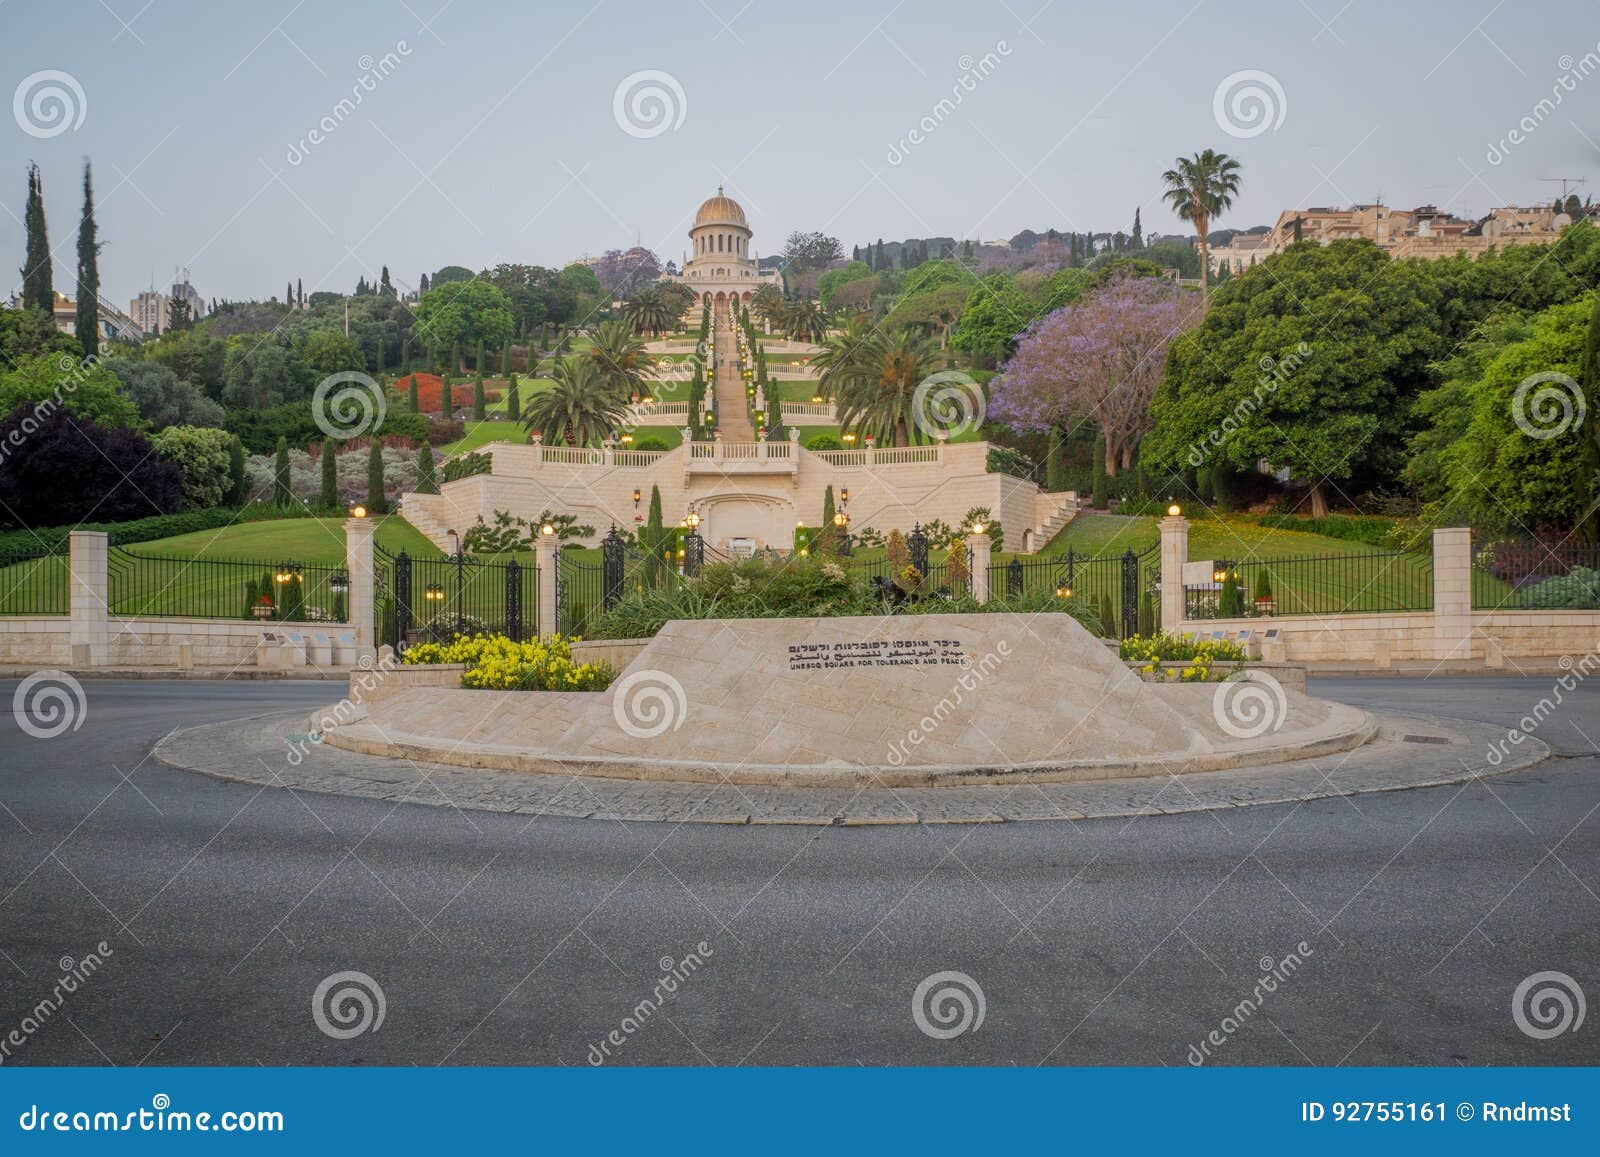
[[1368, 529], [53, 538]]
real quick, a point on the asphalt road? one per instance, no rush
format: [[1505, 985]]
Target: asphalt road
[[500, 939]]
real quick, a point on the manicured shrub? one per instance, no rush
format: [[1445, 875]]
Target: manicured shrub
[[494, 662], [425, 480], [376, 502], [328, 459]]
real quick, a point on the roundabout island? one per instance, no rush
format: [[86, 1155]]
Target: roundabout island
[[919, 718]]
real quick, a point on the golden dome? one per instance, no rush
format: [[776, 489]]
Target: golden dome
[[720, 210]]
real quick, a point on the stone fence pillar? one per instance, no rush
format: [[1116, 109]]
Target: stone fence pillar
[[982, 554], [358, 560], [89, 629], [1452, 593], [547, 557], [1174, 553]]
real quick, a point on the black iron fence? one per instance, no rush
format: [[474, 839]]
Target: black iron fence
[[1532, 575], [1328, 584], [586, 586], [35, 582], [170, 586], [435, 599], [1121, 591]]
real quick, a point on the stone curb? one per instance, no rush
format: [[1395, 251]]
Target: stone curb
[[1411, 751], [181, 673]]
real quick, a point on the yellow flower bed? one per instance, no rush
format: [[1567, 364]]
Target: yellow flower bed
[[1197, 654], [495, 663]]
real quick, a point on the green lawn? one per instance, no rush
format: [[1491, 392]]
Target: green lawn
[[315, 541], [1210, 536], [1308, 573]]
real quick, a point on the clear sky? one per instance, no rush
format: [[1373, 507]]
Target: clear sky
[[495, 133]]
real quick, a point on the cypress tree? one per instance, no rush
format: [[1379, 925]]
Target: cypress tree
[[282, 496], [405, 357], [376, 503], [238, 478], [1055, 472], [505, 360], [288, 294], [412, 396], [86, 325], [513, 401], [653, 541], [330, 476], [827, 508], [426, 484], [480, 400], [38, 289]]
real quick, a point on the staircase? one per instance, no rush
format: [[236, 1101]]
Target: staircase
[[424, 511], [733, 418], [1065, 513]]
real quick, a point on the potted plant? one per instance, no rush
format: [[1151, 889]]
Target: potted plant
[[1263, 594], [263, 607]]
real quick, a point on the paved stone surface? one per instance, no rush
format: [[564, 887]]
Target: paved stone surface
[[525, 939], [900, 700], [275, 750]]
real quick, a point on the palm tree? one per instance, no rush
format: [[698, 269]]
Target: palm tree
[[880, 398], [1200, 189], [580, 409], [767, 303], [649, 312], [803, 320], [842, 358], [619, 357]]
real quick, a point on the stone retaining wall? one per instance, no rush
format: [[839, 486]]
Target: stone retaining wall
[[1385, 639], [46, 641]]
